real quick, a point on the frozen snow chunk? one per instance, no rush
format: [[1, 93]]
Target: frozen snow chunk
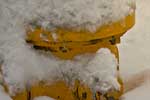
[[101, 71]]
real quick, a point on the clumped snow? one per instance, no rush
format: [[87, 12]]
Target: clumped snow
[[85, 14], [101, 71], [43, 98], [30, 67]]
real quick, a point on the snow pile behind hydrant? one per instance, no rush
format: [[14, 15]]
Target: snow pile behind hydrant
[[22, 66]]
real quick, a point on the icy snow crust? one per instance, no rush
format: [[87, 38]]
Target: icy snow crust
[[23, 66], [85, 15]]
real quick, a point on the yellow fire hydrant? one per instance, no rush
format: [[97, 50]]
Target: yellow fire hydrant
[[69, 44]]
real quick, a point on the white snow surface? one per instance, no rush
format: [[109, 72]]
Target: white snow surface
[[85, 14], [3, 95], [140, 93], [134, 47], [43, 98], [135, 52]]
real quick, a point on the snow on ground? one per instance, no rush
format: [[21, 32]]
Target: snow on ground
[[140, 93], [134, 47], [3, 95], [135, 51]]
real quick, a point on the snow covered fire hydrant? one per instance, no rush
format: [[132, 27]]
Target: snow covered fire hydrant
[[70, 43], [76, 51]]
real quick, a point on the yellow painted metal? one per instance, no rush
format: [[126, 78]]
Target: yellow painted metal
[[21, 96], [82, 92], [58, 91], [70, 43], [61, 91]]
